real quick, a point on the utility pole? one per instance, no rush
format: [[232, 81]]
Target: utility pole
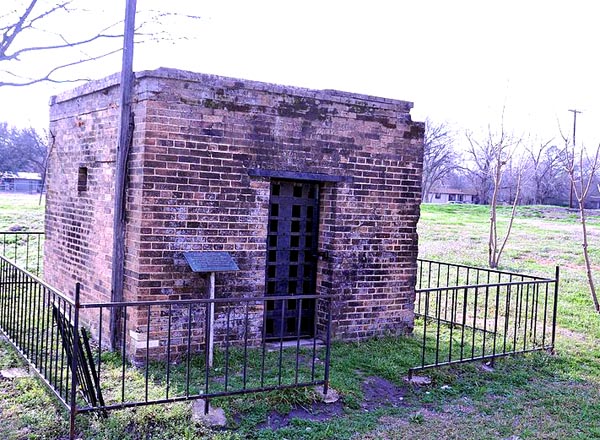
[[125, 139], [575, 112]]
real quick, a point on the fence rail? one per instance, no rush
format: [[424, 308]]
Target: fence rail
[[169, 350], [24, 248], [465, 313]]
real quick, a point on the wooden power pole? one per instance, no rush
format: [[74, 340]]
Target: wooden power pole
[[575, 112], [125, 139]]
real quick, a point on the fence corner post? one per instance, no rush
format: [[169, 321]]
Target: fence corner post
[[74, 366], [328, 346], [555, 305]]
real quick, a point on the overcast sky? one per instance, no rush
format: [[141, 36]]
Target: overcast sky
[[458, 61]]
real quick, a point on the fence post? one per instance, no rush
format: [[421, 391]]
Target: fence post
[[208, 338], [555, 305], [74, 366], [327, 347]]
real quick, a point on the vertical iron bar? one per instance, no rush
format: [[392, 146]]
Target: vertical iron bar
[[281, 328], [37, 267], [429, 275], [52, 341], [18, 309], [425, 315], [327, 348], [555, 307], [485, 318], [474, 321], [99, 357], [63, 347], [123, 310], [169, 351], [38, 321], [496, 321], [314, 342], [27, 253], [246, 318], [468, 275], [507, 304], [299, 320], [30, 314], [74, 366], [464, 324], [207, 348], [48, 330], [438, 316], [147, 359], [546, 285], [452, 320], [227, 350], [188, 353], [534, 317], [518, 309], [526, 316], [446, 299]]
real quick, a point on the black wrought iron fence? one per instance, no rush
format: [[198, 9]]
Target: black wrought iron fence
[[168, 351], [464, 313], [24, 248], [26, 319]]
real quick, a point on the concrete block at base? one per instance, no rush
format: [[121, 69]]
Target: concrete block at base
[[419, 380], [332, 395], [214, 418]]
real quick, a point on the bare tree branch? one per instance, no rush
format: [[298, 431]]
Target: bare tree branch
[[439, 157], [581, 182], [36, 20], [48, 76]]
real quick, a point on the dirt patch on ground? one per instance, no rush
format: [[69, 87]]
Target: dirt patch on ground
[[572, 335], [318, 411], [377, 392], [381, 392]]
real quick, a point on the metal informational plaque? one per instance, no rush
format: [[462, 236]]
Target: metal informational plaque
[[210, 261]]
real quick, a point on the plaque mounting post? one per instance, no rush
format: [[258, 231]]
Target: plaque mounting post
[[210, 262]]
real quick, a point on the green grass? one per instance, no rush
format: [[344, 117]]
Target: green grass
[[537, 396], [22, 211]]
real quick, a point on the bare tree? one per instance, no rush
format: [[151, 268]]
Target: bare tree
[[481, 158], [491, 157], [439, 157], [582, 171], [22, 149], [547, 173], [36, 33]]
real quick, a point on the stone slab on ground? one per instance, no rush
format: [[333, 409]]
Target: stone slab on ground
[[13, 373], [332, 395], [214, 418], [418, 380]]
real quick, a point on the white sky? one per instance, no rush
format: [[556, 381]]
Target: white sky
[[458, 61]]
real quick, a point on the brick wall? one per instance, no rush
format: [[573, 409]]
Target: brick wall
[[204, 149]]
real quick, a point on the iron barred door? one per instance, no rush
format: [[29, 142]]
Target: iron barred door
[[291, 258]]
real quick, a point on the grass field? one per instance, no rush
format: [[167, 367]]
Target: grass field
[[537, 396]]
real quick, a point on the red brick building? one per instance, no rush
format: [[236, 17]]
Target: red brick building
[[310, 191]]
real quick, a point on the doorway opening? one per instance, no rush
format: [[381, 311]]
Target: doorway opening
[[292, 259]]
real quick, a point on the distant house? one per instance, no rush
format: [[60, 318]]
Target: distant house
[[21, 182], [451, 195]]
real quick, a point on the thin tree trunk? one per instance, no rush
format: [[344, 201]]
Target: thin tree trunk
[[588, 266], [512, 217]]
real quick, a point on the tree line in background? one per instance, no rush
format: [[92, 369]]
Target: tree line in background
[[22, 149], [502, 168], [498, 167]]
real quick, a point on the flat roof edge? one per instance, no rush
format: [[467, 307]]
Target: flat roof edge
[[185, 75]]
